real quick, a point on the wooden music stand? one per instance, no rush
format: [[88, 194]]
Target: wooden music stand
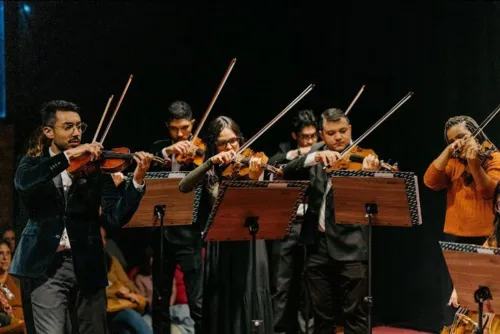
[[474, 271], [162, 204], [375, 198], [251, 210], [162, 188]]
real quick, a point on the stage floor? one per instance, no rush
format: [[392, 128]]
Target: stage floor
[[392, 330]]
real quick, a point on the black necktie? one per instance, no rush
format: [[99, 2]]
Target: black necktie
[[329, 208]]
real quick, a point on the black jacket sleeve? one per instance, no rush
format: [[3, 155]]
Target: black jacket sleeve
[[31, 172], [119, 205]]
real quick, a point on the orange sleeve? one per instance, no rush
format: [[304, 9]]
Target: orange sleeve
[[436, 179], [492, 169]]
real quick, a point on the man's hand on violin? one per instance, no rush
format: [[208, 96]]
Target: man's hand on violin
[[94, 150], [370, 162], [223, 157], [182, 147], [143, 161], [327, 158]]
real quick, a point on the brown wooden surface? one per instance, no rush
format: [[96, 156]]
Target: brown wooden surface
[[470, 270], [350, 194], [273, 206], [179, 206]]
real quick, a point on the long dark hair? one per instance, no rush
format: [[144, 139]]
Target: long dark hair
[[213, 131]]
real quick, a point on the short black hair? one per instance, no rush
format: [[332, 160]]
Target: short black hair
[[179, 110], [303, 119], [333, 115], [49, 109]]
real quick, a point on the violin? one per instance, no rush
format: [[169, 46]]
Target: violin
[[353, 160], [198, 147], [485, 153], [240, 166], [196, 155], [113, 161]]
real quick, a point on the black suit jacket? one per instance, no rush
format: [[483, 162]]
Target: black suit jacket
[[49, 213], [184, 234], [345, 242], [280, 157]]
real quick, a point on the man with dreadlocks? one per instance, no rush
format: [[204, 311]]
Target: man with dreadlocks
[[470, 179]]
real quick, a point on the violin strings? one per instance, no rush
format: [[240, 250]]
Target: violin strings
[[217, 92]]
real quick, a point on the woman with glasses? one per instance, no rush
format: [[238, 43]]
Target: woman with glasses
[[228, 276]]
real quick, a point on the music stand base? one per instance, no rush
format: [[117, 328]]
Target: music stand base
[[252, 223], [370, 209], [481, 295], [159, 213]]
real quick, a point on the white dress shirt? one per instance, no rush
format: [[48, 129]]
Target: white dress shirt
[[309, 162], [175, 166], [64, 243]]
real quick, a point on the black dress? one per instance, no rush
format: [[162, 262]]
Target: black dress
[[228, 274]]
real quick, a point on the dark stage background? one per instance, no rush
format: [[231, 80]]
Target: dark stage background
[[446, 52]]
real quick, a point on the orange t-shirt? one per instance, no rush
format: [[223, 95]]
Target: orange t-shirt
[[469, 209]]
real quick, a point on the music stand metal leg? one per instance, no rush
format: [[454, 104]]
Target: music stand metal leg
[[481, 295], [252, 223], [160, 213], [371, 208]]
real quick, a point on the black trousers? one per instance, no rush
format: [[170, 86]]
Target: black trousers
[[190, 260], [336, 285], [289, 302], [55, 304]]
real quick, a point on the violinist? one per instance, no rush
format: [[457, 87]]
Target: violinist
[[336, 265], [287, 260], [470, 178], [227, 288], [183, 245], [180, 126], [60, 257]]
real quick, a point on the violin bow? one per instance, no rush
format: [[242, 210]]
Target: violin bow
[[355, 99], [486, 121], [116, 109], [275, 119], [376, 125], [102, 118], [214, 98]]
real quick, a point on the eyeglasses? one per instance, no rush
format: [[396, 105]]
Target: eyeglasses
[[232, 141], [307, 137], [70, 127]]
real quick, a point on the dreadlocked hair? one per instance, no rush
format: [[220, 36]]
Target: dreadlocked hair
[[470, 124]]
